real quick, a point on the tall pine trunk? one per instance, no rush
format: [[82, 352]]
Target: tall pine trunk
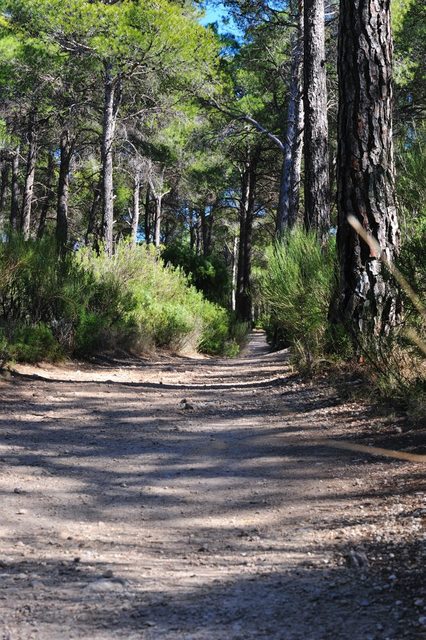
[[234, 273], [317, 185], [14, 201], [157, 219], [110, 109], [288, 205], [243, 297], [147, 215], [27, 198], [136, 207], [365, 166], [63, 190]]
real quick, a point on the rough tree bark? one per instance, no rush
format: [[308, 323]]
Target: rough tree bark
[[48, 197], [14, 201], [63, 190], [110, 110], [27, 198], [288, 204], [136, 207], [367, 301], [317, 187], [243, 298]]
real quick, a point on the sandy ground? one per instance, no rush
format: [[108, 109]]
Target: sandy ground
[[198, 499]]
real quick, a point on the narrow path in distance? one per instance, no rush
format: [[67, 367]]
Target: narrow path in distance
[[188, 499]]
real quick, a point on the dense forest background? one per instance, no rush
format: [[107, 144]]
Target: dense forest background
[[167, 184]]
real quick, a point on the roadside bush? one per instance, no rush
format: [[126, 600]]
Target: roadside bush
[[34, 343], [46, 300], [297, 287], [402, 366], [167, 310], [86, 302]]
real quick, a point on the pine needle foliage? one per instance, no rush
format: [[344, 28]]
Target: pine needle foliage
[[297, 287]]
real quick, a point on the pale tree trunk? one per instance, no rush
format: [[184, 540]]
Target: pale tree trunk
[[136, 207], [288, 205], [234, 273], [27, 198], [111, 104], [365, 181], [63, 190], [158, 193], [14, 202], [317, 183], [243, 298], [47, 200]]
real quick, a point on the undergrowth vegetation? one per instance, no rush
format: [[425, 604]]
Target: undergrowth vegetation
[[84, 303], [299, 286]]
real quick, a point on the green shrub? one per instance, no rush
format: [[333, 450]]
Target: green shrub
[[34, 343], [297, 287], [208, 274], [167, 310], [215, 331], [88, 302]]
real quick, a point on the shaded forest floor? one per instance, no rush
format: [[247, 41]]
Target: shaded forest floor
[[199, 499]]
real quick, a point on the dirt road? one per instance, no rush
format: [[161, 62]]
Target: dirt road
[[186, 499]]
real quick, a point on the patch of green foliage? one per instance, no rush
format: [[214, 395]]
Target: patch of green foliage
[[297, 287], [208, 274], [85, 303]]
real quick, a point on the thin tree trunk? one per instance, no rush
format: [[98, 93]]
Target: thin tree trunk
[[243, 300], [157, 220], [365, 179], [91, 223], [5, 169], [63, 190], [206, 222], [47, 200], [192, 218], [234, 273], [317, 187], [136, 207], [296, 167], [198, 233], [288, 206], [147, 220], [108, 132], [14, 202], [27, 198]]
